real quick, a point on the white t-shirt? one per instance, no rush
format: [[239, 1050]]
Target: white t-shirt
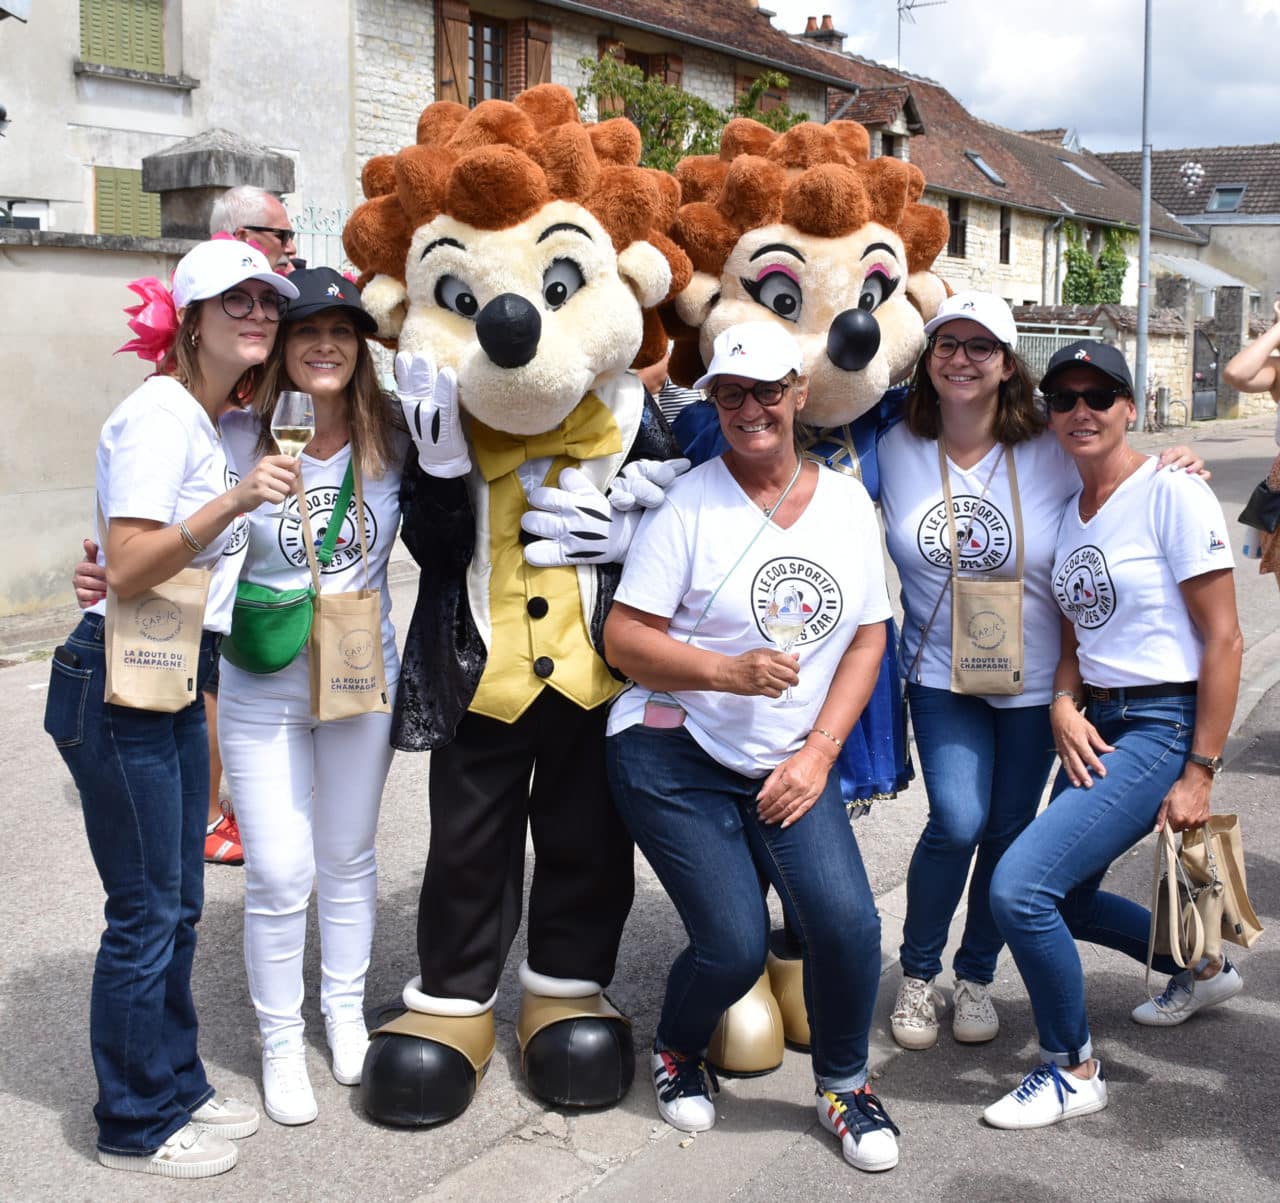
[[1116, 577], [693, 544], [276, 554], [161, 458], [915, 520]]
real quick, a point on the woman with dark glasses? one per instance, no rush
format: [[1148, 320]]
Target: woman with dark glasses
[[1151, 645], [985, 754]]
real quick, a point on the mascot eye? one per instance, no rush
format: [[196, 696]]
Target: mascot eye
[[452, 294], [876, 289], [560, 281], [777, 290]]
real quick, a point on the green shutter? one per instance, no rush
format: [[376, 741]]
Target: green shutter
[[120, 205], [123, 33]]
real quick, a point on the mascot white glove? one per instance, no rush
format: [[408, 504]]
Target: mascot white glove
[[642, 484], [430, 403], [575, 524]]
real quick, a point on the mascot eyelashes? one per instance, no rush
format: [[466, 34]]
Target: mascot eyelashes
[[802, 228], [517, 256]]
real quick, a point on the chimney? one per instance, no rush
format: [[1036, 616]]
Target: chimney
[[826, 34]]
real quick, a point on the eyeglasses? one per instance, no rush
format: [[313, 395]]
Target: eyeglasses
[[731, 396], [238, 303], [285, 236], [1063, 400], [977, 350]]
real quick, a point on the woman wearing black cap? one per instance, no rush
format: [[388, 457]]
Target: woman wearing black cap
[[307, 793], [1151, 643]]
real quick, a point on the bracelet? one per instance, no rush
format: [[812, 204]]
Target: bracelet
[[839, 743], [188, 538], [1065, 693]]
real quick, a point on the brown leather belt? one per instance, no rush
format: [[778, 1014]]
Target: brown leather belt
[[1178, 689]]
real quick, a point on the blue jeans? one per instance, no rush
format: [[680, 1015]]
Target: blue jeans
[[143, 779], [984, 769], [695, 821], [1045, 894]]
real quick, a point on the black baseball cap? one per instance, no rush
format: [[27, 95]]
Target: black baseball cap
[[321, 288], [1086, 351]]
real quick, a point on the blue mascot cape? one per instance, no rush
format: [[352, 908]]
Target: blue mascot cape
[[873, 762]]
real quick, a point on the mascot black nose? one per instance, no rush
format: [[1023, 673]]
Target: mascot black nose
[[508, 329], [853, 340]]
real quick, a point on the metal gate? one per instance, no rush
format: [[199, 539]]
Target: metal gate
[[319, 237], [1204, 398], [1037, 349]]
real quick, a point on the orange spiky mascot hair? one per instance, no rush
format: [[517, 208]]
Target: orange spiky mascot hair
[[525, 254], [802, 228]]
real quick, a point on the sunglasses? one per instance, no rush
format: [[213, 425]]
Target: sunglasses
[[238, 303], [1064, 400], [285, 236], [977, 350], [731, 396]]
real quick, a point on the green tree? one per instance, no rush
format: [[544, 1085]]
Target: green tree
[[673, 123]]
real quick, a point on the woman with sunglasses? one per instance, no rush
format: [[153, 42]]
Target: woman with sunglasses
[[308, 793], [719, 780], [985, 758], [1151, 645], [163, 486]]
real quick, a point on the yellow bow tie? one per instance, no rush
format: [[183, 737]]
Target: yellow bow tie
[[587, 433]]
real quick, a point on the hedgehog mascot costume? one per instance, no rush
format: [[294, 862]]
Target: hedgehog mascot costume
[[804, 229], [516, 257]]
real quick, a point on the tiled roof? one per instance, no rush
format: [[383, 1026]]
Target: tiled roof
[[1118, 317], [1033, 171], [877, 106], [1256, 167]]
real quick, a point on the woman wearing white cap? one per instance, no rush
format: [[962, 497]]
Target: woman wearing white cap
[[721, 779], [143, 775], [973, 443]]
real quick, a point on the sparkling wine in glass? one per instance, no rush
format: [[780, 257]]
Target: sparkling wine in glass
[[293, 426], [784, 623]]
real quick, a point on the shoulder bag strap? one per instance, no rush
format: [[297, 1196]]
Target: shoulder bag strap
[[354, 472], [325, 554]]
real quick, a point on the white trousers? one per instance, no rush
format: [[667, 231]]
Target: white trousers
[[306, 797]]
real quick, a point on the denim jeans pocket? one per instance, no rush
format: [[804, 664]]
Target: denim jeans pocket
[[65, 704]]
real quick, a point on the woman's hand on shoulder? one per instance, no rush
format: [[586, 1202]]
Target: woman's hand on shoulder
[[271, 479], [793, 787], [1186, 805], [761, 672], [1184, 459], [1078, 744]]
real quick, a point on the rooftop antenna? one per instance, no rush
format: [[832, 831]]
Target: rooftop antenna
[[905, 9]]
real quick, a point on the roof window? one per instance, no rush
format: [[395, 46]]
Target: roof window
[[983, 166], [1080, 171], [1226, 198]]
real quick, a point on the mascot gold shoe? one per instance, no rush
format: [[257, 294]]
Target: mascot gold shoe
[[516, 257]]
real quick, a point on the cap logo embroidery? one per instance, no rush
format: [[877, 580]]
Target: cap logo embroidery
[[247, 261], [736, 349], [333, 291], [967, 305], [1083, 355]]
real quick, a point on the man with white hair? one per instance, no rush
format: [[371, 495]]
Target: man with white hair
[[256, 216]]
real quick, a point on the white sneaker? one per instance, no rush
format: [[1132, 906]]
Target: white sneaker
[[227, 1117], [975, 1020], [286, 1089], [868, 1137], [348, 1042], [683, 1088], [1184, 996], [1047, 1096], [190, 1152], [914, 1021]]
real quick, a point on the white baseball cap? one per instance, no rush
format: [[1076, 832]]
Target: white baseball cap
[[756, 350], [221, 263], [985, 308]]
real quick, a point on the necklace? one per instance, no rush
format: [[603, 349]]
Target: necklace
[[1104, 494], [769, 509]]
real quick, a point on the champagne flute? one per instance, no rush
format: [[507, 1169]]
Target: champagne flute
[[784, 623], [293, 426]]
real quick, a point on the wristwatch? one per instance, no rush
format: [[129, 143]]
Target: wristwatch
[[1212, 763]]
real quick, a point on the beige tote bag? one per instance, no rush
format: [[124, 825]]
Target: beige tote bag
[[345, 648], [153, 641]]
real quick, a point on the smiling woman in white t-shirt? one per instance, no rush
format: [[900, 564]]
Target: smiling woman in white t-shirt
[[719, 777], [1150, 641], [162, 484]]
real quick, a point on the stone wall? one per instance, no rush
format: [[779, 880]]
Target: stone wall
[[395, 56], [1018, 281]]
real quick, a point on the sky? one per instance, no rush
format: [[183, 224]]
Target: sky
[[1044, 64]]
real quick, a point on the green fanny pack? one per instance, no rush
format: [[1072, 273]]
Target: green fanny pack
[[269, 627]]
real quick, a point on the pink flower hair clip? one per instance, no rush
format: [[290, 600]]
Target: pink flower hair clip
[[154, 320]]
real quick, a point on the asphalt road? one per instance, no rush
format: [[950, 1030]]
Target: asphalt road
[[1192, 1112]]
